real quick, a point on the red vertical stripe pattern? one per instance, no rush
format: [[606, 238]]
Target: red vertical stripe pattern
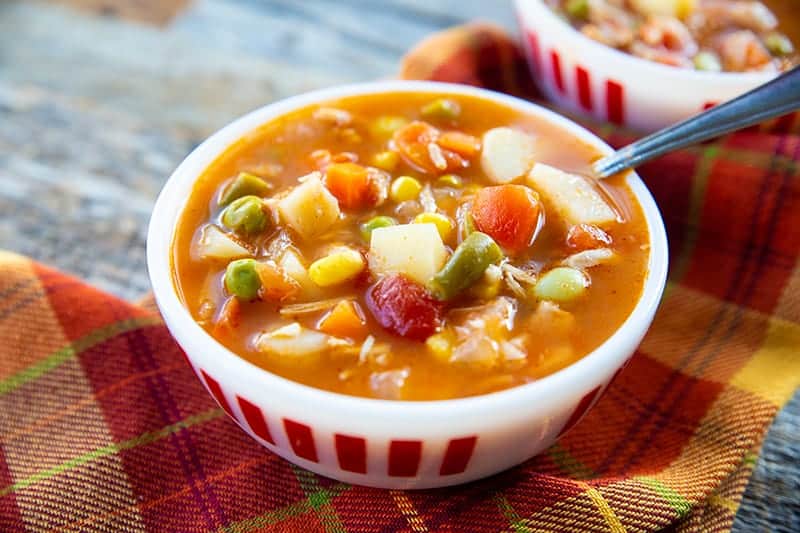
[[583, 406], [404, 456], [457, 455], [351, 453], [558, 77], [584, 88], [216, 392], [255, 419], [615, 98], [301, 439]]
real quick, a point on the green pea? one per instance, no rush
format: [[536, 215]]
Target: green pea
[[441, 109], [466, 266], [245, 184], [375, 223], [707, 61], [778, 44], [561, 284], [245, 215], [241, 279], [578, 9]]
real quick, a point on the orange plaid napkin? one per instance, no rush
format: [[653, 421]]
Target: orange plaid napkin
[[105, 428]]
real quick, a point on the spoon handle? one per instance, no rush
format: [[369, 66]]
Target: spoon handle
[[779, 96]]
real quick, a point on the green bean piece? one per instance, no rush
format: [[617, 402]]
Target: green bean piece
[[375, 223], [245, 216], [441, 109], [561, 284], [707, 61], [241, 279], [778, 44], [466, 266], [245, 184], [578, 9]]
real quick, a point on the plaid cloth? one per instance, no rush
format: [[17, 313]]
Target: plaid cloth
[[105, 428]]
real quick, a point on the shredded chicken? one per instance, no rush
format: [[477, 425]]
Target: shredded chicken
[[331, 115], [310, 307], [589, 258], [389, 383], [295, 342], [427, 200], [481, 331]]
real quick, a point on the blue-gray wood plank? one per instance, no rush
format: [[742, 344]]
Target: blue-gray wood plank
[[95, 112]]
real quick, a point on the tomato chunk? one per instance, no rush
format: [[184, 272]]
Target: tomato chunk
[[507, 213], [404, 308], [587, 236], [349, 183], [417, 144]]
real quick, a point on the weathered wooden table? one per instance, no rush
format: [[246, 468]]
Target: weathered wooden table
[[99, 103]]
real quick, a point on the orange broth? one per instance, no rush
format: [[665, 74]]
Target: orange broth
[[280, 152]]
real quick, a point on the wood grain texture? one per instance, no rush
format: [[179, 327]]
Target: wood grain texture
[[151, 11], [96, 115]]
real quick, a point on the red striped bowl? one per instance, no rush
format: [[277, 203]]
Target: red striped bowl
[[381, 443], [592, 79]]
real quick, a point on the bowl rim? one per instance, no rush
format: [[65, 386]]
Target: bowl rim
[[550, 19], [169, 205]]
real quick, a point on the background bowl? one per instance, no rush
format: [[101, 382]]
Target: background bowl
[[593, 79], [381, 443]]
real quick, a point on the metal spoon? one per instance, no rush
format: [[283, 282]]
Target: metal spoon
[[777, 97]]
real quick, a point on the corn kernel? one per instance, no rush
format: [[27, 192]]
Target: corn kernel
[[489, 285], [440, 346], [337, 267], [387, 160], [450, 180], [385, 126], [472, 188], [443, 224], [404, 188]]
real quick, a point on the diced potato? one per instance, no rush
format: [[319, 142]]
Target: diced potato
[[415, 250], [672, 8], [216, 244], [507, 154], [310, 208], [296, 344], [291, 263], [572, 196]]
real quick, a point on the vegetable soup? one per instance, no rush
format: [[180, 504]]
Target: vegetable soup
[[711, 35], [410, 247]]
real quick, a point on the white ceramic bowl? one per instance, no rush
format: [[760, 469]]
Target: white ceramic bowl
[[592, 79], [382, 443]]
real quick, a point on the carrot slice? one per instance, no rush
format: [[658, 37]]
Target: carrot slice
[[349, 183], [507, 213], [417, 144], [344, 320], [229, 318], [460, 143]]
